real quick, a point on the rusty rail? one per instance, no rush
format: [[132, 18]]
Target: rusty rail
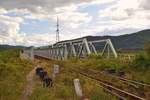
[[121, 94]]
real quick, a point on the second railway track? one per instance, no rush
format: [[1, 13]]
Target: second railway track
[[110, 87]]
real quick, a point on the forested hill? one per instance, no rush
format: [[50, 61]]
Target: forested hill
[[134, 41], [3, 47]]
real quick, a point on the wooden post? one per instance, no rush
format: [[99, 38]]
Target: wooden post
[[55, 71], [78, 89], [31, 53]]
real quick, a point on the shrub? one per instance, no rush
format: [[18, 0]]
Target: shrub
[[141, 62]]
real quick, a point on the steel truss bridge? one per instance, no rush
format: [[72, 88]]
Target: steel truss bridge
[[72, 48]]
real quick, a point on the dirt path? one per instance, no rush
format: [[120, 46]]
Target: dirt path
[[30, 84]]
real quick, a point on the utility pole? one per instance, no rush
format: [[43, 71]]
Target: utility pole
[[57, 31]]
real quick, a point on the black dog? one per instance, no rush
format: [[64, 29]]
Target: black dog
[[42, 74], [38, 70], [47, 81]]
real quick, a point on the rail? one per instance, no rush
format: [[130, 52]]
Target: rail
[[121, 94]]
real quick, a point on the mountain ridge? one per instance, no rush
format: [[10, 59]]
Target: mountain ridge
[[5, 46], [133, 41]]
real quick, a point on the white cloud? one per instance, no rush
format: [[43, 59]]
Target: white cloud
[[9, 29], [9, 26], [145, 4], [120, 16], [67, 14], [48, 9], [38, 6], [126, 14], [3, 11]]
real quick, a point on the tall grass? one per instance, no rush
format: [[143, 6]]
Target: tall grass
[[13, 73], [63, 88]]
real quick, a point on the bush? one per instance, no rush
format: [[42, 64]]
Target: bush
[[142, 61]]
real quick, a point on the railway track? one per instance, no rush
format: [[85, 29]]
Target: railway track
[[110, 87], [128, 81]]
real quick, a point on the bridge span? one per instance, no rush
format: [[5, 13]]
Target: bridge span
[[72, 48]]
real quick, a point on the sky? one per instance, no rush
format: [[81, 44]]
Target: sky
[[33, 22]]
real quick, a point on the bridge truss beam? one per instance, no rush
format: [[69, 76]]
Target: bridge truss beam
[[73, 48]]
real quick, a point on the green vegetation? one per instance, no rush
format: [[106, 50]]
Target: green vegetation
[[13, 73], [95, 56], [140, 67], [137, 69], [94, 91], [63, 88], [142, 61]]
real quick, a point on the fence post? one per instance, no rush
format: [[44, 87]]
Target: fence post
[[78, 89], [55, 71], [32, 53]]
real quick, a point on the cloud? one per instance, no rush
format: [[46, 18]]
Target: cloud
[[37, 6], [10, 33], [117, 17], [40, 10], [145, 4], [9, 26], [71, 17], [3, 11], [132, 15], [66, 14], [9, 29]]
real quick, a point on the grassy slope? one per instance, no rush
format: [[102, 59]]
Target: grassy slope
[[13, 73]]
